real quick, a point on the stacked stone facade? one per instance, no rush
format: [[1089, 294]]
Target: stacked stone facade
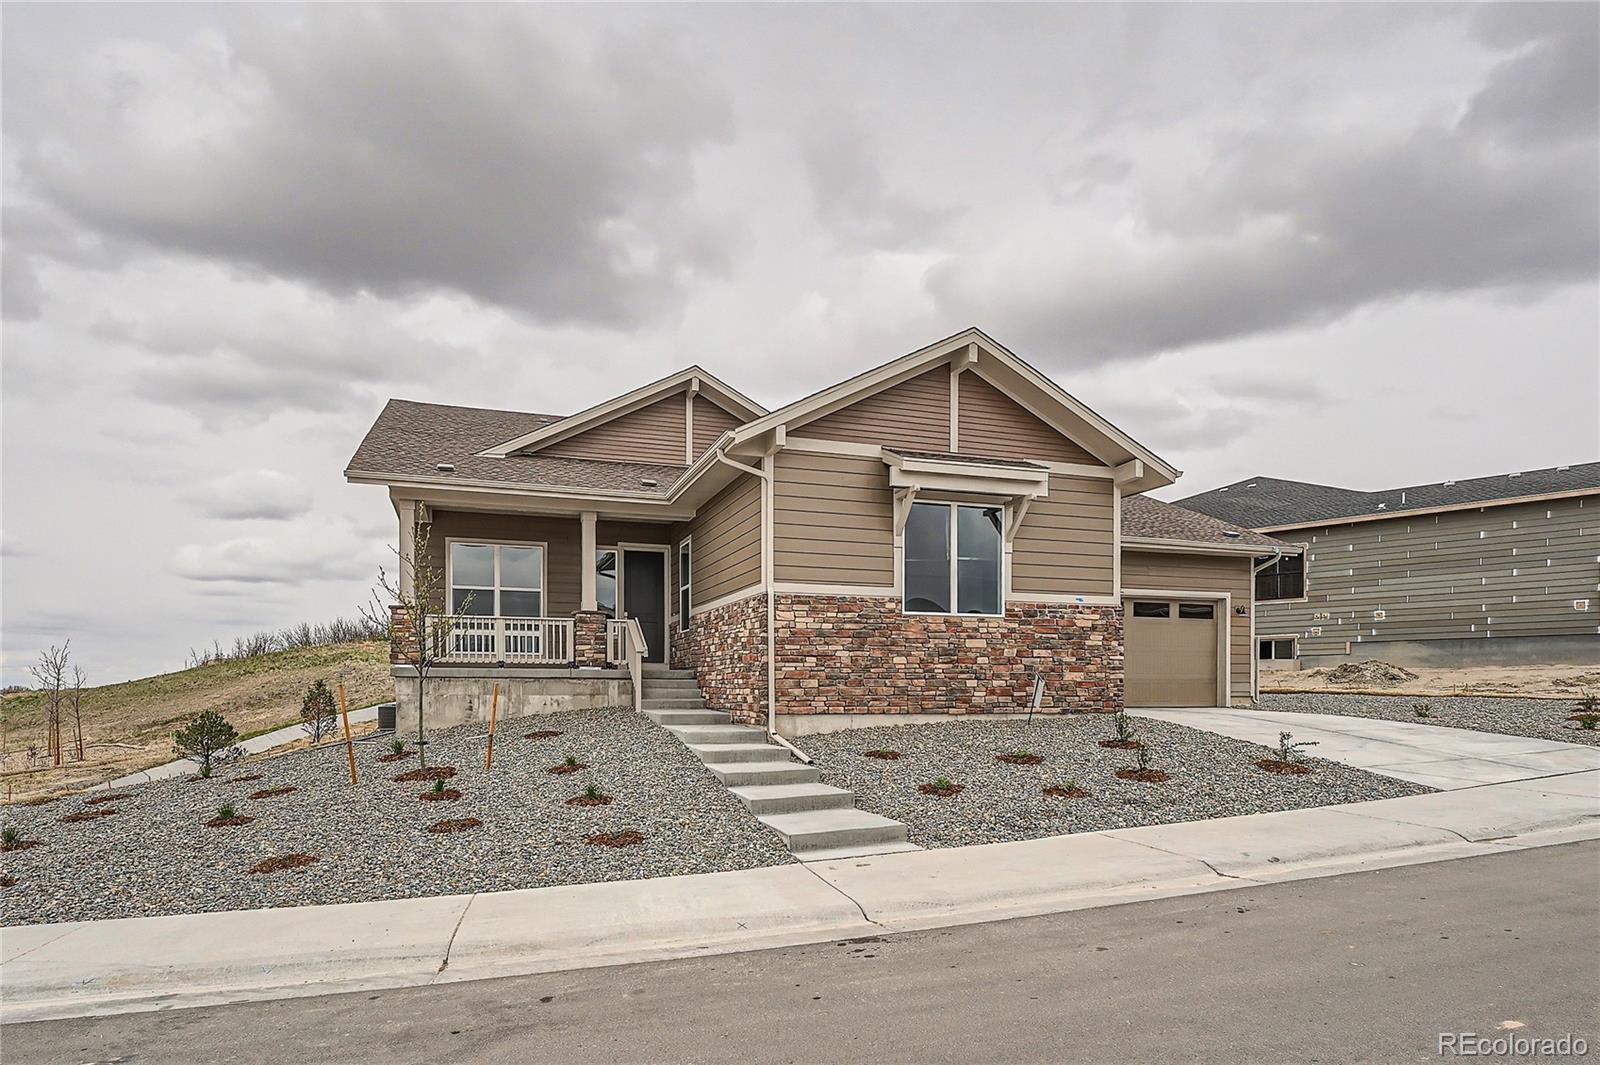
[[727, 649], [864, 655]]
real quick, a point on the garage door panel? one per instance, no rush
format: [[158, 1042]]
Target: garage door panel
[[1170, 660]]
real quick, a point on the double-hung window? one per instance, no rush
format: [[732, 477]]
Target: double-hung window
[[953, 559], [497, 580], [1284, 578]]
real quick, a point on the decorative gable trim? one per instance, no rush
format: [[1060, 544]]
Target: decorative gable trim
[[690, 381]]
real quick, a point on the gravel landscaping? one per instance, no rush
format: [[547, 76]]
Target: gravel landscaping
[[1544, 719], [155, 855], [1211, 776]]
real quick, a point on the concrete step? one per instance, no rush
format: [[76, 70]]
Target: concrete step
[[718, 733], [861, 850], [651, 682], [653, 673], [793, 798], [672, 702], [739, 774], [739, 752], [687, 717], [827, 829]]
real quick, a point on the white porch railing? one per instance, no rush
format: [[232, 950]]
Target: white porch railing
[[514, 641], [626, 647]]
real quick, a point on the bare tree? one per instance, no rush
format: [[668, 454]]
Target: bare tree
[[78, 677], [51, 673], [418, 615]]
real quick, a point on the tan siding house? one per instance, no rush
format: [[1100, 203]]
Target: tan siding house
[[934, 536]]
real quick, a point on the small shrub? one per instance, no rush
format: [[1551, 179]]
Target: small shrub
[[1589, 703], [1587, 721], [438, 785], [943, 787], [1068, 790], [317, 712], [397, 746], [1289, 751], [227, 816], [440, 793], [206, 740], [225, 811], [1123, 724], [10, 836], [1020, 758], [571, 765], [1423, 709], [591, 796]]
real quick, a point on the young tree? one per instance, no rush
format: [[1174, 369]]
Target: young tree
[[423, 622], [78, 677], [206, 740], [317, 712], [51, 673]]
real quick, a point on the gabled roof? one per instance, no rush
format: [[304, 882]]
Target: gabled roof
[[692, 376], [1058, 407], [409, 440], [1144, 518], [1273, 503]]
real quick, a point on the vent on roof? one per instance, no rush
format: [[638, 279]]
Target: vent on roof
[[446, 467], [1383, 506], [1558, 468], [1230, 534], [1252, 484], [1448, 484], [1222, 489], [1513, 475], [649, 482]]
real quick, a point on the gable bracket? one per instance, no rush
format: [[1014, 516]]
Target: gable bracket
[[903, 498], [1018, 510]]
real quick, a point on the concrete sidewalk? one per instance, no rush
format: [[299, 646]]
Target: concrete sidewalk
[[1431, 755], [149, 963], [254, 745]]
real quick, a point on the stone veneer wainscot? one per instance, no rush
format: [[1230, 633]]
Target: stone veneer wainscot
[[727, 648], [864, 655]]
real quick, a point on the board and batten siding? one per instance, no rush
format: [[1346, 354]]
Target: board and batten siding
[[725, 554], [710, 422], [1065, 544], [833, 520], [913, 414], [1512, 570], [1167, 571], [561, 537], [653, 433], [994, 425]]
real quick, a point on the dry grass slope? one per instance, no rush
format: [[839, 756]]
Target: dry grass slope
[[129, 726]]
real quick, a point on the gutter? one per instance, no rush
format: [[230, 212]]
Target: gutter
[[766, 579]]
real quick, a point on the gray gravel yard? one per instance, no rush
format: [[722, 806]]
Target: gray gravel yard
[[1544, 719], [1212, 776], [156, 856]]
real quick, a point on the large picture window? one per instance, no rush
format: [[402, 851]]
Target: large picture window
[[1283, 579], [953, 559], [497, 580]]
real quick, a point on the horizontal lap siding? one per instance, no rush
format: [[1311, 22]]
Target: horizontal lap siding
[[726, 554], [653, 433], [1065, 544], [833, 520], [1161, 571], [561, 537], [710, 422], [1436, 578], [914, 415], [995, 425]]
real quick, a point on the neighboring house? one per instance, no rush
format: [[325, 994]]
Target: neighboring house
[[1493, 570], [923, 539]]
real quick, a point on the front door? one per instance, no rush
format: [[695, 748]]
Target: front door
[[644, 597]]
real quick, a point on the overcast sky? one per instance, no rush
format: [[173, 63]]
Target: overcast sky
[[1349, 244]]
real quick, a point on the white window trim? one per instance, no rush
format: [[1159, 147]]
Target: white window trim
[[1003, 576], [683, 593], [477, 541], [1292, 637]]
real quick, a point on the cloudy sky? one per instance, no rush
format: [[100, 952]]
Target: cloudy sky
[[1349, 244]]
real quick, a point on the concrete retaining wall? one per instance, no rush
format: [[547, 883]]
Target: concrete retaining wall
[[459, 695]]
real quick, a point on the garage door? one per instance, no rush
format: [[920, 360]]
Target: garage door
[[1170, 658]]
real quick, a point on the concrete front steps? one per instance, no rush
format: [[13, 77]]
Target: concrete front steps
[[816, 821]]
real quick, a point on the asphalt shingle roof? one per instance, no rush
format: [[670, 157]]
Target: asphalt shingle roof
[[1153, 519], [1269, 502], [410, 439]]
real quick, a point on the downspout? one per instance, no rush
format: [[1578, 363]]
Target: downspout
[[766, 581]]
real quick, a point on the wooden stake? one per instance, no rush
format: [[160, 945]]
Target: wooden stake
[[494, 707], [349, 744]]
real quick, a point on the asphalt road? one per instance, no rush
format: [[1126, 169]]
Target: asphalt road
[[1365, 967]]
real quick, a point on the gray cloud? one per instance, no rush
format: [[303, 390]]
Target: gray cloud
[[852, 195], [1276, 388], [1286, 226], [245, 495], [389, 149]]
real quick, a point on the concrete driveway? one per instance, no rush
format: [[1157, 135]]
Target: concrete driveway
[[1431, 755]]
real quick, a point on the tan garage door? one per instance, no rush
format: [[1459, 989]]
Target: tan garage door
[[1170, 657]]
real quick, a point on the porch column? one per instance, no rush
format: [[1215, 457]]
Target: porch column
[[407, 509], [586, 561]]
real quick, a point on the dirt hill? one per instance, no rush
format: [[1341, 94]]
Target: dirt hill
[[129, 726]]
